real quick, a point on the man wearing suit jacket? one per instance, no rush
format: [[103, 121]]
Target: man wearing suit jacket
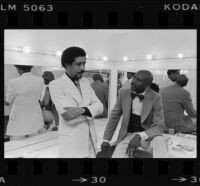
[[77, 105], [101, 91], [142, 124], [24, 93], [176, 100]]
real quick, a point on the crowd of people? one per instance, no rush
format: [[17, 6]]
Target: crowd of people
[[70, 103]]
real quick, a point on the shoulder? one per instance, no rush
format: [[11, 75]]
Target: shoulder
[[155, 96]]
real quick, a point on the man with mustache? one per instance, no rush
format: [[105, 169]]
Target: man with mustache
[[77, 105], [142, 120]]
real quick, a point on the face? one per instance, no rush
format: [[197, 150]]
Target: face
[[47, 78], [173, 76], [139, 83], [77, 68]]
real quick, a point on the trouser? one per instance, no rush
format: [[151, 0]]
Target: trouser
[[157, 147]]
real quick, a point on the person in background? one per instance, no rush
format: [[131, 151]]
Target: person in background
[[77, 105], [142, 124], [101, 91], [154, 87], [127, 83], [50, 113], [176, 100], [23, 93]]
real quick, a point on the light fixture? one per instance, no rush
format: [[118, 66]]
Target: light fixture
[[149, 57], [58, 53], [125, 58], [26, 49], [180, 55], [104, 58]]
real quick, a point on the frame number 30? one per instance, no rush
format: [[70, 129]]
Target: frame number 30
[[98, 179]]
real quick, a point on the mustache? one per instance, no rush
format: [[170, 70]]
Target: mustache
[[81, 72]]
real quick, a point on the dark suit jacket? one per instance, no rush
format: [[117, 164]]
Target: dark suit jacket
[[175, 100], [101, 91], [151, 116]]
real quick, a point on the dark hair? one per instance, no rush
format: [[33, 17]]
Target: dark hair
[[70, 54], [98, 77], [132, 73], [49, 74], [154, 87], [26, 68], [182, 80], [170, 71]]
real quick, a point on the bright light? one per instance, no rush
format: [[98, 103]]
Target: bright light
[[58, 53], [149, 57], [26, 49], [125, 58], [180, 55], [104, 58]]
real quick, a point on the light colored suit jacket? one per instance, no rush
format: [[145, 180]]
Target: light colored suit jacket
[[151, 116], [175, 101], [75, 133], [101, 91], [25, 115]]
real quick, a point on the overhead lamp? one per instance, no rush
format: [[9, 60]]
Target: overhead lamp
[[149, 57], [26, 49], [125, 58], [58, 53], [104, 58], [180, 55]]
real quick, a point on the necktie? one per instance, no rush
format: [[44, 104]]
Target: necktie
[[46, 98], [133, 95], [77, 85]]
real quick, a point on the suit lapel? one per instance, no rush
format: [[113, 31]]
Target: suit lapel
[[146, 105], [72, 89]]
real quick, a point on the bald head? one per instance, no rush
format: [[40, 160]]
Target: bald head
[[182, 80], [147, 76], [141, 80]]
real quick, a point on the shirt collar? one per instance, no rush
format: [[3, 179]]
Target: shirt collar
[[73, 80]]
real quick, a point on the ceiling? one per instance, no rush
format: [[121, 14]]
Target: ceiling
[[115, 44]]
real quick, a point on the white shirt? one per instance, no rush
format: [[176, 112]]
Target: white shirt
[[137, 109]]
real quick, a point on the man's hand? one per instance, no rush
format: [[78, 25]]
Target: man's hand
[[105, 146], [71, 113], [133, 146]]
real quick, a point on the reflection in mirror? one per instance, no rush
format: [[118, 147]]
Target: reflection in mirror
[[174, 103]]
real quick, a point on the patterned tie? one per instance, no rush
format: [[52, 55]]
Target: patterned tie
[[133, 95]]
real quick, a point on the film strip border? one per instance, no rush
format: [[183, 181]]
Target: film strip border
[[100, 14], [51, 171], [94, 15]]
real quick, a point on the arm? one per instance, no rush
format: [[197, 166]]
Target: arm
[[10, 93], [157, 125], [187, 104], [64, 105], [113, 119]]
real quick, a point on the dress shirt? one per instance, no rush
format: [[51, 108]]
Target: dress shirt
[[137, 109]]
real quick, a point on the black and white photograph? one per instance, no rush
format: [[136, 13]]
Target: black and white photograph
[[100, 93]]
